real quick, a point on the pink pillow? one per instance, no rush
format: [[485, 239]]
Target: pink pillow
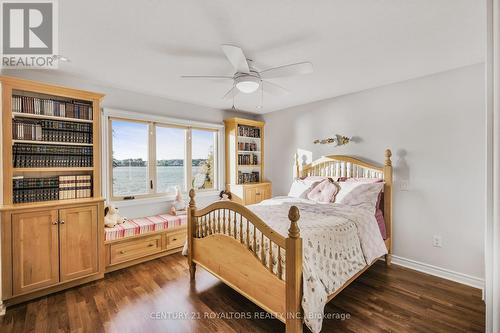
[[379, 215], [324, 192]]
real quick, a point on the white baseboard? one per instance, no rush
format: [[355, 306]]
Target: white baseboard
[[440, 272]]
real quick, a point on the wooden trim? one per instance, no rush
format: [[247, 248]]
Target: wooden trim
[[243, 121], [50, 89], [46, 204]]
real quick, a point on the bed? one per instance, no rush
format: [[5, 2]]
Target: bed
[[262, 253]]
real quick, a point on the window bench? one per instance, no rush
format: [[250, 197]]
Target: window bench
[[142, 239]]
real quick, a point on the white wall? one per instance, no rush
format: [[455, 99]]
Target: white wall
[[127, 100], [435, 127]]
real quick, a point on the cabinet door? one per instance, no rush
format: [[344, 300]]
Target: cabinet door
[[250, 196], [78, 242], [35, 255], [266, 192]]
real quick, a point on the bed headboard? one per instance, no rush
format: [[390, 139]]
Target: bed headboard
[[346, 166]]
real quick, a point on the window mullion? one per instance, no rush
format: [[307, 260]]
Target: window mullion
[[152, 158], [188, 158]]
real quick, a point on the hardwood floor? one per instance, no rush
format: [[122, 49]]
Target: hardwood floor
[[142, 297]]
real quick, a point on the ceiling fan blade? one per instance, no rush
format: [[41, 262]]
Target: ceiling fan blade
[[274, 89], [217, 77], [231, 93], [236, 57], [287, 70]]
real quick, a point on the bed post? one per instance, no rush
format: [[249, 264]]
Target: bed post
[[388, 203], [190, 233], [293, 274], [297, 166]]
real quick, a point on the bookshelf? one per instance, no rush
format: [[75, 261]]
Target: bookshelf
[[51, 205], [245, 161]]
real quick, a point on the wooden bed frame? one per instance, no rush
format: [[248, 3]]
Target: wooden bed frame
[[219, 240]]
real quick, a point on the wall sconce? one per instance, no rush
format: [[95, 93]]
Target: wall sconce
[[339, 140]]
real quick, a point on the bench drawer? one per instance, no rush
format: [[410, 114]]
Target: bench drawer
[[134, 249], [176, 240]]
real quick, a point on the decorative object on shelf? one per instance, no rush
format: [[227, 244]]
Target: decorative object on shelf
[[225, 196], [111, 217], [178, 206], [339, 140]]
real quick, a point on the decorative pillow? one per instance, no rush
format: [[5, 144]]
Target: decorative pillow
[[379, 216], [301, 187], [358, 194], [324, 192]]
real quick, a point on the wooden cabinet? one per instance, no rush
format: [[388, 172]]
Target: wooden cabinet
[[245, 161], [250, 194], [50, 247], [78, 242], [51, 236], [35, 250]]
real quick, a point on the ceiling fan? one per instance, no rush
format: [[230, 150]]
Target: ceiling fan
[[247, 79]]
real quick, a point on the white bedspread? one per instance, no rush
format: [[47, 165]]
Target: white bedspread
[[338, 242]]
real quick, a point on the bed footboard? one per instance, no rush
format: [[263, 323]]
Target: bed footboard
[[235, 245]]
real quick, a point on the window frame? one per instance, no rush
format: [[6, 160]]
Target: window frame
[[153, 121]]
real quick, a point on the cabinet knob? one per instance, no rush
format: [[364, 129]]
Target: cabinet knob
[[151, 245], [174, 239], [122, 252], [62, 222], [55, 222]]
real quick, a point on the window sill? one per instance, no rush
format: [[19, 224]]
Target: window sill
[[159, 199]]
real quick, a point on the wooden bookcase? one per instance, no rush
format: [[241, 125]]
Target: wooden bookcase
[[53, 244], [245, 161]]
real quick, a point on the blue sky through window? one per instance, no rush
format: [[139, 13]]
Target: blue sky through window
[[130, 140]]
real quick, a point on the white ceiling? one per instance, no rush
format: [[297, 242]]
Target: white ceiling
[[146, 46]]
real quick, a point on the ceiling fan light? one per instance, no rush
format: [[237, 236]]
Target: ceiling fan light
[[247, 84]]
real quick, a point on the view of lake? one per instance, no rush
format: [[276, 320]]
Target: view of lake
[[134, 180]]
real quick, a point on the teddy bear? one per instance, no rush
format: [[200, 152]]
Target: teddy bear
[[178, 206], [111, 216]]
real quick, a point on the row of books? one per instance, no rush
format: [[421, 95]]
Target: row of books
[[247, 146], [26, 130], [248, 159], [66, 125], [251, 132], [45, 130], [51, 107], [51, 188], [47, 156], [75, 187], [29, 183], [248, 177]]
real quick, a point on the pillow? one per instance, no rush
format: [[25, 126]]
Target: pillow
[[324, 192], [301, 187], [358, 194], [379, 216]]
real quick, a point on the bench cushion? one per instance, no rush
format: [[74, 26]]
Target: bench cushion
[[142, 225]]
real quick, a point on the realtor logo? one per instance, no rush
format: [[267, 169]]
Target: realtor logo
[[29, 33]]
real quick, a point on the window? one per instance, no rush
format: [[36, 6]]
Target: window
[[203, 162], [153, 159], [130, 158], [170, 156]]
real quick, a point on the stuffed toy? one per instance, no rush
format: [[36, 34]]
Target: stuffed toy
[[111, 216], [178, 206]]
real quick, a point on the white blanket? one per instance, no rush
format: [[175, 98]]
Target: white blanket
[[338, 242]]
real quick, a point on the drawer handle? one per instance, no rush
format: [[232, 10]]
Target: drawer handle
[[122, 252], [258, 193], [151, 245], [174, 239]]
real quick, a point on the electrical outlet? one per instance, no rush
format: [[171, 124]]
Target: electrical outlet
[[404, 185], [437, 241]]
